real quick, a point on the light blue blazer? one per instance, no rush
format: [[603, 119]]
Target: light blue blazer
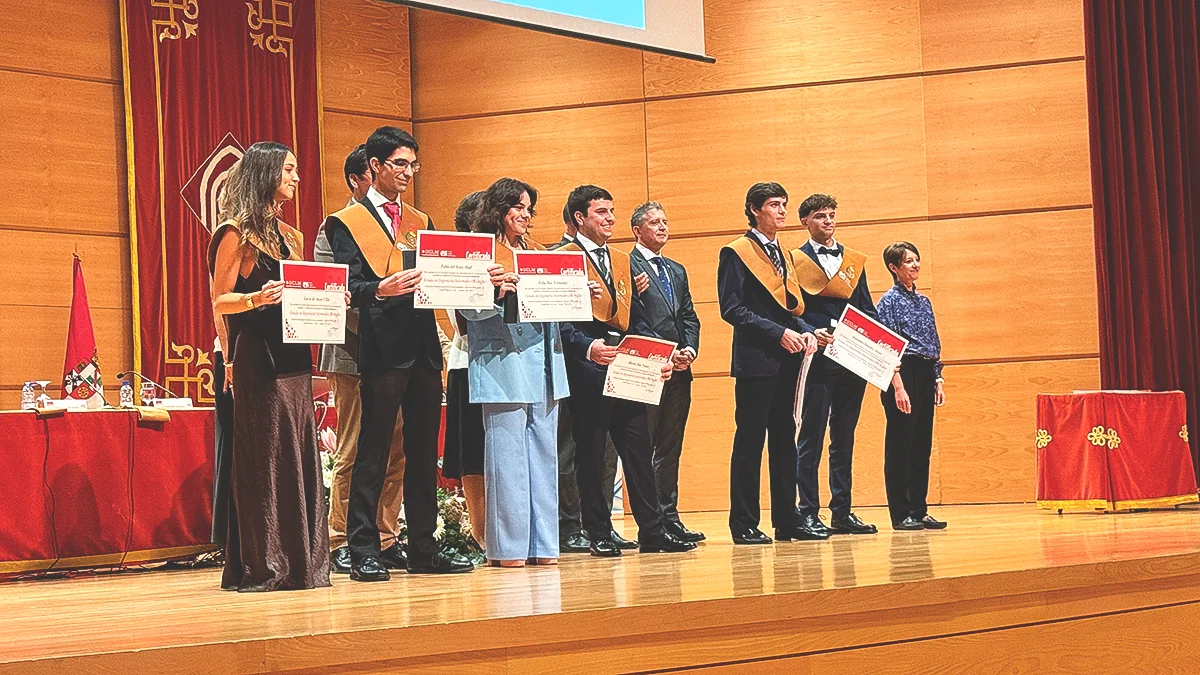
[[514, 363]]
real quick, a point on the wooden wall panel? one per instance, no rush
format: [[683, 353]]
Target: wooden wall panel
[[492, 67], [708, 442], [985, 430], [997, 296], [1013, 138], [341, 134], [33, 343], [964, 33], [554, 151], [863, 142], [45, 261], [78, 39], [58, 133], [364, 57], [779, 42]]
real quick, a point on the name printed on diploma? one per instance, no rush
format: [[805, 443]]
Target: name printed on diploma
[[314, 302], [866, 347], [636, 372], [454, 270], [552, 286]]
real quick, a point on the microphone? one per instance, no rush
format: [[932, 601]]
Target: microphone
[[121, 376]]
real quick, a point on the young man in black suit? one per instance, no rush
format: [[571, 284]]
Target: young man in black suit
[[399, 361], [669, 315], [589, 348], [759, 298], [830, 277]]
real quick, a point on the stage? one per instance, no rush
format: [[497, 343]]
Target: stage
[[1007, 588]]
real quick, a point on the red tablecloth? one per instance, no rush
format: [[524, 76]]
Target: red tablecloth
[[1113, 450], [101, 488]]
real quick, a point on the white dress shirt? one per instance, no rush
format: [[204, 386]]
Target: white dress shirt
[[591, 247], [830, 263]]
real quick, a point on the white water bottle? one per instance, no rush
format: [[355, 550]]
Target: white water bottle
[[28, 400], [126, 394]]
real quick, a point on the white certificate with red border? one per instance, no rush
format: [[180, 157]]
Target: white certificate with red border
[[454, 270], [314, 302], [866, 348], [636, 373], [552, 286]]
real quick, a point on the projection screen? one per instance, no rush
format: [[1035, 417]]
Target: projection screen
[[673, 27]]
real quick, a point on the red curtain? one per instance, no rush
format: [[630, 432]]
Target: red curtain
[[1143, 65], [204, 81]]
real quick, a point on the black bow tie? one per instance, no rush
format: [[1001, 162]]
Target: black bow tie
[[829, 251]]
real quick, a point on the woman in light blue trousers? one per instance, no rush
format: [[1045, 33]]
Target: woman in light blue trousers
[[518, 374]]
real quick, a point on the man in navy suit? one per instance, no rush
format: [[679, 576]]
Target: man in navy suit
[[669, 315], [759, 298], [830, 277]]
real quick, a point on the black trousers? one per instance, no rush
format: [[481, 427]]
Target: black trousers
[[763, 413], [570, 515], [596, 416], [908, 441], [415, 392], [222, 452], [667, 421], [832, 398]]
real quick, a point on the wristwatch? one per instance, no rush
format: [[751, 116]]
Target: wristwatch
[[249, 301]]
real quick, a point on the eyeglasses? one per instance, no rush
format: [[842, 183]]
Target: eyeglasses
[[402, 165]]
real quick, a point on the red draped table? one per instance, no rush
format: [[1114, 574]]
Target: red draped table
[[104, 488], [1113, 450]]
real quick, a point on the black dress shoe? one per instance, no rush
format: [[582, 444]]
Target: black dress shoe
[[810, 528], [681, 532], [851, 524], [909, 523], [441, 563], [622, 543], [369, 568], [750, 537], [339, 560], [605, 548], [667, 543], [393, 558], [575, 543], [931, 523]]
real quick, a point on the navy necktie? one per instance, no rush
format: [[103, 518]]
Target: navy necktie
[[664, 278], [776, 257]]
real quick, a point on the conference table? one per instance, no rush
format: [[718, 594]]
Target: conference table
[[104, 488]]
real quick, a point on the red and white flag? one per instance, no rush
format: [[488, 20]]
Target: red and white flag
[[81, 372]]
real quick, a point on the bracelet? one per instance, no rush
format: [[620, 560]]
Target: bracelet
[[249, 300]]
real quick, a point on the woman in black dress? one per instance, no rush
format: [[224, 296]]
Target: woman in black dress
[[277, 538]]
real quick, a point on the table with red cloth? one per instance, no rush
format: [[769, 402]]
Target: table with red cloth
[[104, 488], [1113, 450]]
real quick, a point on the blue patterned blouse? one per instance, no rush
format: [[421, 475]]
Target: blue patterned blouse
[[911, 315]]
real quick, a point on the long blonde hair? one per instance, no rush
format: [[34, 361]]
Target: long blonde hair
[[248, 199]]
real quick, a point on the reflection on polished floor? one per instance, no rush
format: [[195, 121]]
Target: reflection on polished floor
[[156, 610]]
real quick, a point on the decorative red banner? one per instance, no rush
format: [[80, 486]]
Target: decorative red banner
[[204, 81]]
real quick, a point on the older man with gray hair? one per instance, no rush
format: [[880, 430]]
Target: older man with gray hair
[[668, 311]]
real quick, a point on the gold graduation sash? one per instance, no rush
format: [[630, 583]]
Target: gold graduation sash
[[814, 281], [294, 239], [381, 253], [606, 308], [784, 290]]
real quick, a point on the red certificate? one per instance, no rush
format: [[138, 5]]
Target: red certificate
[[552, 286], [636, 373], [866, 348], [454, 270], [314, 302]]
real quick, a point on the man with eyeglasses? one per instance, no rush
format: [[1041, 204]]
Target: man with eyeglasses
[[399, 361]]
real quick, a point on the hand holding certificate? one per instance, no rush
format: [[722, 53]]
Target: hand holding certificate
[[454, 270], [866, 348], [553, 286], [636, 374], [314, 302]]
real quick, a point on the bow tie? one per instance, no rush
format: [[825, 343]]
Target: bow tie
[[829, 251]]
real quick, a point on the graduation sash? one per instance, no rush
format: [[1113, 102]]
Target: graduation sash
[[381, 253], [613, 311], [814, 281], [784, 290]]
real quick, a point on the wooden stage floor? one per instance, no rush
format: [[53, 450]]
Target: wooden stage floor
[[1007, 588]]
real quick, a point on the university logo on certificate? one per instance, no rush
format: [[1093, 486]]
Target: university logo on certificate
[[314, 302]]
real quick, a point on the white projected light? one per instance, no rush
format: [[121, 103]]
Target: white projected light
[[673, 27]]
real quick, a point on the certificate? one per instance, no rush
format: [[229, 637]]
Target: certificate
[[314, 302], [454, 270], [866, 348], [553, 286], [636, 373]]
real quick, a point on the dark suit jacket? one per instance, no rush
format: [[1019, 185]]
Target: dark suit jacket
[[758, 321], [665, 320], [820, 310], [578, 337], [391, 332]]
